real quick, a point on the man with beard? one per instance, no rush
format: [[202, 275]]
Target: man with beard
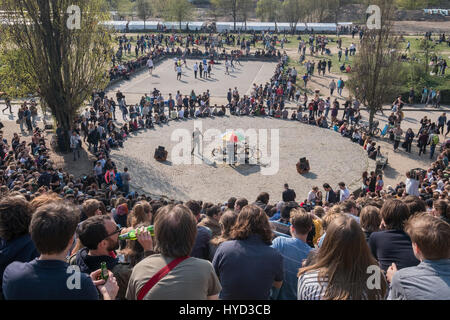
[[100, 238]]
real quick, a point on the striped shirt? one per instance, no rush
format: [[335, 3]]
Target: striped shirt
[[309, 287]]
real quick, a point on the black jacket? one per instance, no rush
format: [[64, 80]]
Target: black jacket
[[289, 195], [94, 136], [21, 249], [332, 197]]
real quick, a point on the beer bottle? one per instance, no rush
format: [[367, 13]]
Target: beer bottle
[[104, 271], [132, 235]]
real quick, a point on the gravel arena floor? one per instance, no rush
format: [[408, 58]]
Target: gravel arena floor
[[165, 79], [332, 159]]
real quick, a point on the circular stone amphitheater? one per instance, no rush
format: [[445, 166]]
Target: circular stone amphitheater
[[332, 159]]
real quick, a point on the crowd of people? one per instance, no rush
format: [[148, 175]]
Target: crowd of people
[[53, 227], [156, 46], [314, 248]]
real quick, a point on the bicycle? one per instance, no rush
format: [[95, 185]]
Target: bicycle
[[375, 131], [252, 152]]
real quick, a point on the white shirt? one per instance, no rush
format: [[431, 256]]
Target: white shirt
[[195, 67], [440, 185], [311, 196], [74, 141], [344, 194], [412, 187], [150, 63], [332, 85], [98, 170]]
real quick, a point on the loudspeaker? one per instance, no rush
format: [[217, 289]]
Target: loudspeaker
[[160, 154], [302, 166]]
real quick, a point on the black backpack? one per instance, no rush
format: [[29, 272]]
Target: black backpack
[[311, 235]]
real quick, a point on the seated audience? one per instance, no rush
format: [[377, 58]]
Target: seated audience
[[190, 278], [430, 237], [52, 229]]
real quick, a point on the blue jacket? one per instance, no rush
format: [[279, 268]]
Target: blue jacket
[[21, 249], [119, 180]]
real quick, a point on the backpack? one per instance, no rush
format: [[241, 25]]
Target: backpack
[[435, 140]]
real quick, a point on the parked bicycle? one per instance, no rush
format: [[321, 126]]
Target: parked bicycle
[[374, 131]]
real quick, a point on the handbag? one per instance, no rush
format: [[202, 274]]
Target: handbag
[[158, 276]]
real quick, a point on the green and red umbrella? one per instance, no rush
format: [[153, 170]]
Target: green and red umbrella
[[233, 136]]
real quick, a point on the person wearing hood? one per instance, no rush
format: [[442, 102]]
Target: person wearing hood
[[262, 200], [15, 240], [100, 236]]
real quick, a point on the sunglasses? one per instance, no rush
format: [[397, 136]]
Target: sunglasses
[[118, 229]]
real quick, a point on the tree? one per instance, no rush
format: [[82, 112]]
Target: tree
[[14, 80], [292, 12], [376, 73], [178, 10], [228, 7], [315, 9], [143, 9], [124, 8], [268, 10], [159, 8], [215, 10], [62, 65], [111, 4], [335, 6], [245, 7], [427, 48], [412, 4]]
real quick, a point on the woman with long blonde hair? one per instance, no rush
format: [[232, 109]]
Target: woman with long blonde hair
[[340, 268], [141, 213]]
